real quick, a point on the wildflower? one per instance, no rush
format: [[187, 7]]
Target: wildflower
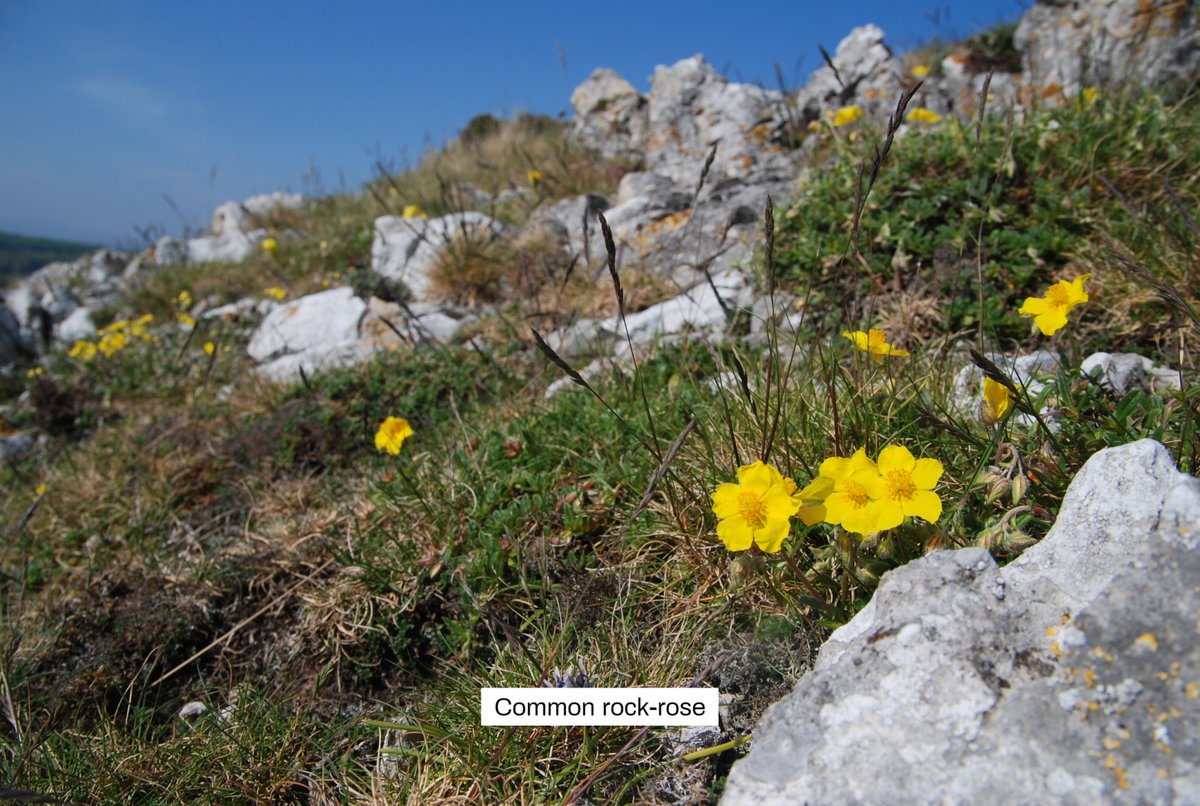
[[904, 488], [1089, 95], [209, 348], [270, 246], [413, 211], [997, 400], [535, 177], [923, 115], [920, 70], [1050, 312], [36, 371], [391, 434], [874, 343], [275, 292], [756, 510], [184, 300], [82, 350], [846, 115], [187, 321], [848, 503], [113, 343], [39, 491], [812, 500]]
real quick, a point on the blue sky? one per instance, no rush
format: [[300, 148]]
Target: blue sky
[[108, 108]]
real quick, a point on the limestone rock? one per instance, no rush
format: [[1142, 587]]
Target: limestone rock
[[408, 249], [1102, 42], [871, 77], [701, 309], [1121, 372], [76, 326], [1061, 678], [610, 115], [307, 323], [692, 107]]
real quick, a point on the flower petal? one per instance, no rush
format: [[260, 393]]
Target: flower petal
[[735, 533], [811, 515], [780, 505], [1051, 321], [1033, 306], [725, 500], [884, 515], [895, 457], [924, 504], [770, 537], [926, 473], [756, 477]]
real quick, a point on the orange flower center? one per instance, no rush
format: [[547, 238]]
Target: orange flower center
[[1059, 296], [752, 508], [899, 485], [856, 493]]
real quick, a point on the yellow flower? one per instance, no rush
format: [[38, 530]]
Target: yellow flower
[[82, 350], [1050, 312], [184, 300], [391, 434], [997, 400], [903, 489], [36, 371], [535, 177], [812, 500], [874, 343], [270, 246], [920, 70], [1089, 95], [113, 343], [413, 211], [923, 115], [209, 348], [187, 321], [756, 510], [39, 491], [846, 115], [275, 292], [848, 503]]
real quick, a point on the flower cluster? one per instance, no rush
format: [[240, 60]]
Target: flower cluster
[[846, 115], [413, 211], [866, 496], [923, 115], [113, 338], [275, 292], [859, 494], [874, 343]]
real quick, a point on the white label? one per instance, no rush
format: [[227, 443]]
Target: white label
[[667, 707]]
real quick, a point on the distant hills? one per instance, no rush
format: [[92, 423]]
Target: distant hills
[[20, 254]]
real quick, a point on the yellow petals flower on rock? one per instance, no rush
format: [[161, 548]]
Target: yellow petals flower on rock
[[756, 510], [874, 342], [1050, 312], [391, 434], [413, 211]]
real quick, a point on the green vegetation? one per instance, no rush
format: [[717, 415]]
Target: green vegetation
[[206, 536], [20, 254]]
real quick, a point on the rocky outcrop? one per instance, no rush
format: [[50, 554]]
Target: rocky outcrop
[[1072, 45], [408, 249], [1066, 677], [610, 115], [868, 75]]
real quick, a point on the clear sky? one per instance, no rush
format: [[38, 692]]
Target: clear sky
[[109, 108]]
